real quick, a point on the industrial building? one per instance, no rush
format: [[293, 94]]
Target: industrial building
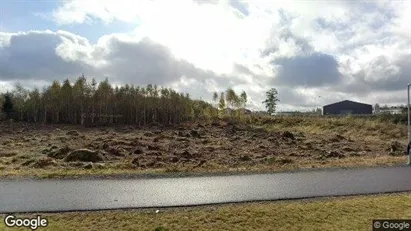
[[347, 107]]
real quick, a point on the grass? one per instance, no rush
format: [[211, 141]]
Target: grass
[[276, 165], [338, 213], [357, 127]]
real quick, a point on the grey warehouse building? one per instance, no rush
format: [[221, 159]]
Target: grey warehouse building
[[347, 107]]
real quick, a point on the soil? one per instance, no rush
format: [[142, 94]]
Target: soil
[[216, 146]]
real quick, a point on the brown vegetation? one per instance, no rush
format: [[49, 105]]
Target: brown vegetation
[[272, 144]]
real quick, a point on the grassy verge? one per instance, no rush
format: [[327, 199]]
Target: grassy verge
[[280, 165], [342, 213]]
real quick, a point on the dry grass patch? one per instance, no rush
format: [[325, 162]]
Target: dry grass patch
[[343, 213], [269, 144]]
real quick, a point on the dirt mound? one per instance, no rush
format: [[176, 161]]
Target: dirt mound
[[396, 148], [59, 153], [337, 138], [195, 134], [173, 159], [348, 149], [334, 154], [284, 161], [136, 162], [84, 155], [149, 134], [43, 162], [73, 133], [185, 154], [88, 166], [147, 163], [116, 151], [153, 147], [288, 135], [7, 153], [138, 151], [245, 158]]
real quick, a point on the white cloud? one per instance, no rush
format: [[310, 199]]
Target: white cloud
[[342, 49]]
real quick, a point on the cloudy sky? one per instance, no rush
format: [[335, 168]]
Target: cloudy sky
[[313, 52]]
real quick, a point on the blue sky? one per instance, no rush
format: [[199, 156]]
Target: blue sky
[[358, 50], [36, 15]]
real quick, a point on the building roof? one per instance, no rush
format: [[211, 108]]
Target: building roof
[[347, 101]]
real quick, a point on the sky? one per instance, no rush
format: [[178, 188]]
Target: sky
[[313, 52]]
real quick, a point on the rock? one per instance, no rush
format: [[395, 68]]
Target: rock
[[73, 133], [84, 155], [156, 139], [59, 153], [245, 158], [288, 135], [88, 166]]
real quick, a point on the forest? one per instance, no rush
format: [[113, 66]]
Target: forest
[[90, 103]]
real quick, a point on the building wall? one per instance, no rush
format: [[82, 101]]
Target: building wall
[[391, 111], [346, 108]]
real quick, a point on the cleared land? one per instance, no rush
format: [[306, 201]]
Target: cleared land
[[258, 144], [349, 213]]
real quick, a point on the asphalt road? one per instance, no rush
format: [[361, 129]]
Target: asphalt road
[[99, 194]]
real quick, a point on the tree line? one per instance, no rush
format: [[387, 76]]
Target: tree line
[[88, 102]]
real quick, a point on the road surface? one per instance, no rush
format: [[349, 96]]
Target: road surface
[[99, 194]]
